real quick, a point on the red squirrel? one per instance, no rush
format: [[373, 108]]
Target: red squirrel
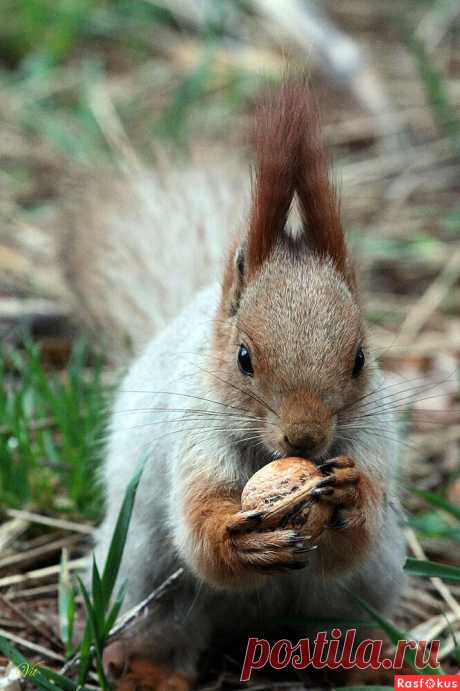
[[272, 361]]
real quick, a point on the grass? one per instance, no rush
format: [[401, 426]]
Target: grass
[[101, 611], [51, 429]]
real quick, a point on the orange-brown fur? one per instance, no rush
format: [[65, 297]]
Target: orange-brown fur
[[208, 514], [143, 675], [345, 548], [227, 552], [134, 671]]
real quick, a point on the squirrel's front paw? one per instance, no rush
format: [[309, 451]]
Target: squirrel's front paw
[[340, 484], [258, 547], [340, 487]]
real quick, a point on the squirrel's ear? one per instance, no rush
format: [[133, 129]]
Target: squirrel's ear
[[292, 164], [234, 281]]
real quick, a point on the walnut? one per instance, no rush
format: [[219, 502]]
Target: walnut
[[280, 487]]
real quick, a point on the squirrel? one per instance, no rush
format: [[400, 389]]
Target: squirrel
[[271, 361]]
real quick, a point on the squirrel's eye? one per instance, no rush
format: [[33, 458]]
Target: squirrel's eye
[[359, 363], [244, 361]]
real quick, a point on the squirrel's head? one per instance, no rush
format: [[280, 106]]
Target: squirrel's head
[[289, 339]]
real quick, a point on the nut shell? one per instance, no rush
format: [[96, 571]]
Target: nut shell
[[276, 481], [284, 483]]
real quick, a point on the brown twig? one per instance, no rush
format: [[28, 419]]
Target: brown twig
[[44, 652], [10, 530], [430, 300], [53, 522], [38, 574], [128, 619], [42, 629], [33, 592], [31, 554]]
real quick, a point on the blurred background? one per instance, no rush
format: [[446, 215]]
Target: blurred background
[[93, 86]]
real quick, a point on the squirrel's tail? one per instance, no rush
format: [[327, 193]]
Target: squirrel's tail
[[139, 243]]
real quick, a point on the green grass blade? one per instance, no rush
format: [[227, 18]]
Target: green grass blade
[[10, 652], [111, 567], [92, 620], [97, 635], [66, 604], [51, 425], [85, 654], [60, 681], [439, 502], [98, 600], [421, 567], [117, 545], [114, 612]]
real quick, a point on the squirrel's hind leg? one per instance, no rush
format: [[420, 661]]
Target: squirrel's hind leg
[[129, 670], [164, 652]]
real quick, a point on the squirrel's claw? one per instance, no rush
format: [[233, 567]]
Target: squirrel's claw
[[293, 565], [244, 521], [340, 484], [322, 491], [272, 551], [339, 462], [327, 482], [305, 550]]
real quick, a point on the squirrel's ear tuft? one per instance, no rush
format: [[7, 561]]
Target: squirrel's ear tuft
[[291, 160], [317, 196], [276, 139], [234, 280]]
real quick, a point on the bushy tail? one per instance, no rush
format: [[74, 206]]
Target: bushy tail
[[138, 245]]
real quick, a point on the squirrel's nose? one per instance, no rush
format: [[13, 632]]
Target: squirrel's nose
[[305, 425], [301, 443]]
